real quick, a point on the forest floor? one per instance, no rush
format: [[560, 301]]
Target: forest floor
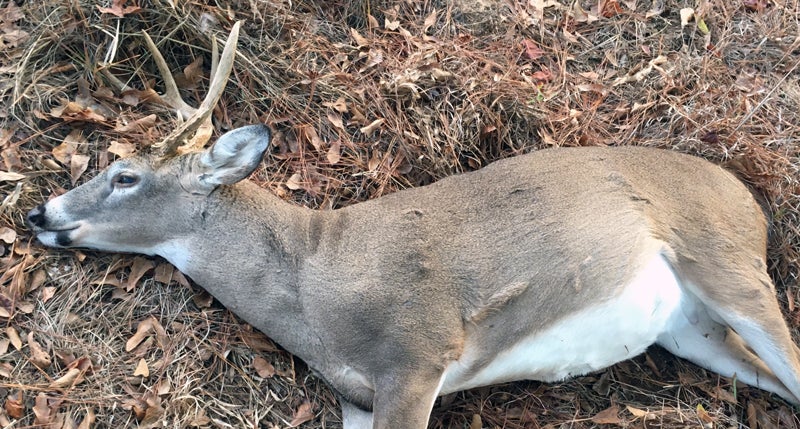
[[365, 98]]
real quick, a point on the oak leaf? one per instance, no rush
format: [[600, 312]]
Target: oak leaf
[[263, 368], [302, 414], [142, 369], [609, 416], [38, 355], [119, 9], [14, 406], [13, 336]]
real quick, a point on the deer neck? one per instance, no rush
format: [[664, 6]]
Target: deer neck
[[245, 252]]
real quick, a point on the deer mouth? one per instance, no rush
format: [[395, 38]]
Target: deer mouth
[[55, 237]]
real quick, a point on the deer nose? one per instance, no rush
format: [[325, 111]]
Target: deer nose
[[36, 216]]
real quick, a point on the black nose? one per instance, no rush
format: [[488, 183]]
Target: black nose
[[36, 216]]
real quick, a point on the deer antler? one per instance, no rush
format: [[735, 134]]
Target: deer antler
[[196, 128]]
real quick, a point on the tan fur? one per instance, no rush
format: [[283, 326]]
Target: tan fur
[[380, 297]]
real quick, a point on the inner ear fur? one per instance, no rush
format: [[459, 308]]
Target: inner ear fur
[[235, 155]]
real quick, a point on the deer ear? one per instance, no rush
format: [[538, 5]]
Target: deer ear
[[234, 156]]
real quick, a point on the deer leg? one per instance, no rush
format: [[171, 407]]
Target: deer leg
[[768, 336], [406, 400], [694, 334], [354, 417]]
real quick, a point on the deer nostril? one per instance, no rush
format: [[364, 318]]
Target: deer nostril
[[36, 216]]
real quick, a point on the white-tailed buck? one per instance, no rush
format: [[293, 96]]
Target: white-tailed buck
[[543, 266]]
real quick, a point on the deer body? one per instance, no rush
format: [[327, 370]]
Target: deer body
[[542, 266]]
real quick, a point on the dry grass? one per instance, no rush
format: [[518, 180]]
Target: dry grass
[[455, 88]]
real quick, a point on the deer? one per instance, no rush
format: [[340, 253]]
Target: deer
[[542, 266]]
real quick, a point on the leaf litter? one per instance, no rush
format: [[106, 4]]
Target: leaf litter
[[363, 103]]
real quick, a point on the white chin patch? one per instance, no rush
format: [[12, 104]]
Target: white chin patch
[[48, 238]]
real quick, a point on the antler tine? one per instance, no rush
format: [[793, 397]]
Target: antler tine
[[199, 120], [172, 96]]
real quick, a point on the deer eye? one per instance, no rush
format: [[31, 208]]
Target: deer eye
[[124, 180]]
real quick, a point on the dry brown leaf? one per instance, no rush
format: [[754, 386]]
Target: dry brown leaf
[[339, 105], [77, 166], [139, 268], [119, 9], [703, 415], [200, 420], [263, 368], [71, 378], [430, 20], [163, 273], [302, 414], [579, 14], [257, 341], [191, 76], [334, 153], [335, 118], [202, 299], [162, 387], [295, 182], [153, 413], [122, 150], [532, 50], [14, 406], [138, 126], [63, 152], [5, 368], [309, 134], [142, 331], [133, 97], [609, 416], [609, 8], [88, 421], [73, 111], [7, 235], [25, 307], [4, 343], [6, 305], [359, 39], [47, 294], [142, 369], [11, 13], [756, 5], [374, 161], [637, 412], [37, 279], [10, 176], [38, 355], [13, 336], [42, 411], [476, 423], [374, 57], [369, 129]]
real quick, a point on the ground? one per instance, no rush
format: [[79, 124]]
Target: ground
[[365, 98]]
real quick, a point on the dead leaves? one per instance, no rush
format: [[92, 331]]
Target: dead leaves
[[67, 153], [303, 413], [12, 36], [263, 368], [13, 405], [144, 330], [119, 9], [38, 356], [146, 407], [46, 406], [756, 5]]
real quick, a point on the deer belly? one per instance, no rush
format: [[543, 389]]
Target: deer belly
[[586, 340]]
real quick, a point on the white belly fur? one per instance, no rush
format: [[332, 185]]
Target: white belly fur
[[587, 340]]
